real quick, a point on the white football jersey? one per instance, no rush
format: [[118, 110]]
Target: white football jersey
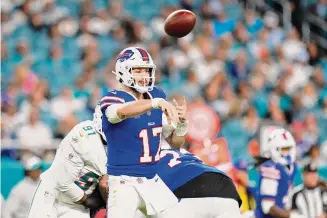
[[81, 157]]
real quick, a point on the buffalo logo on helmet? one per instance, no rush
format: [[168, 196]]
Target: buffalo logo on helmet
[[125, 55]]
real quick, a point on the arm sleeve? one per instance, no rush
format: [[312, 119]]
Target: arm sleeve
[[68, 169], [109, 105], [111, 98], [111, 113]]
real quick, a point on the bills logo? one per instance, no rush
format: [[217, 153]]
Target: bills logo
[[125, 56]]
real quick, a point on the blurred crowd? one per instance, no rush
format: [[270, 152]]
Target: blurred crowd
[[57, 57]]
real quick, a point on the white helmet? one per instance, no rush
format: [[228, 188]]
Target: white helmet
[[97, 121], [278, 139], [130, 58]]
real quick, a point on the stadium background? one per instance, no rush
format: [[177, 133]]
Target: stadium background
[[253, 62]]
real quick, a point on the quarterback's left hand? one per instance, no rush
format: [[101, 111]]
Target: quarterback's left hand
[[181, 110]]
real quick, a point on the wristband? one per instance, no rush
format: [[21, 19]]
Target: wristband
[[181, 128]]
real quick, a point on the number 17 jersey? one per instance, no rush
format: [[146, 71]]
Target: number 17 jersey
[[132, 144]]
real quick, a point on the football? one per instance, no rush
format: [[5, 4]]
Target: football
[[180, 23]]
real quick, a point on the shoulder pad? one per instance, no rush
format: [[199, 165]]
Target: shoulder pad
[[158, 93]]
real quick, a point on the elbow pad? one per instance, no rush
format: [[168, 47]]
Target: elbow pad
[[111, 113]]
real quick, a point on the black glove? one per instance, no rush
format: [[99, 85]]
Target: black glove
[[94, 201]]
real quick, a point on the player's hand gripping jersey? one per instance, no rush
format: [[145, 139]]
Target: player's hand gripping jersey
[[275, 182], [79, 163], [133, 143]]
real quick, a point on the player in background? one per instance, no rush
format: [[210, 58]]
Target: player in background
[[276, 175], [68, 188], [133, 123]]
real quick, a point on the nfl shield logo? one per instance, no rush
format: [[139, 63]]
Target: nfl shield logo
[[148, 113], [140, 180]]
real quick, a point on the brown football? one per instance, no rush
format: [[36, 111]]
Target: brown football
[[180, 23]]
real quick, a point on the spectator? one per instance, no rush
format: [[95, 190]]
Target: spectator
[[245, 95], [251, 121], [191, 87], [240, 67], [293, 46], [36, 99], [311, 128], [187, 4], [314, 56], [302, 145], [10, 120], [206, 11], [297, 15], [35, 136], [271, 69], [25, 79], [309, 199], [275, 33], [223, 25], [319, 9], [23, 54], [241, 37], [258, 45], [65, 100], [253, 23], [20, 199], [314, 156]]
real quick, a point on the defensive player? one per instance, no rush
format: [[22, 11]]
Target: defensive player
[[67, 188], [276, 175], [133, 123]]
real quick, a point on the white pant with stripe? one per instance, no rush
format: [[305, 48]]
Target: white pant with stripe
[[45, 205]]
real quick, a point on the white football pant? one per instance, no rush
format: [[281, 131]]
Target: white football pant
[[211, 207], [45, 205], [128, 194]]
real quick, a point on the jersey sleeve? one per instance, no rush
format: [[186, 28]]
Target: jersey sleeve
[[111, 98], [158, 93], [269, 182], [68, 166]]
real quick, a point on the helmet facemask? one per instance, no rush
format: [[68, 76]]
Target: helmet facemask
[[142, 83], [124, 70], [282, 147]]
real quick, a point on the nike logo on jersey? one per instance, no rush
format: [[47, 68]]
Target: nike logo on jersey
[[151, 124], [113, 92]]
